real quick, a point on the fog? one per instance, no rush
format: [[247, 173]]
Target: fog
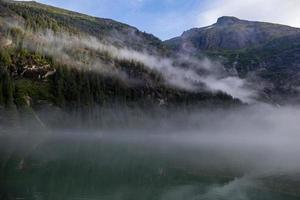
[[249, 148], [213, 74], [256, 139], [165, 153]]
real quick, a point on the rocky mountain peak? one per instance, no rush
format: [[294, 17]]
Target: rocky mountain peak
[[230, 33], [227, 20]]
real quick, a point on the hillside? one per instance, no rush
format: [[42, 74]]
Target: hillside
[[50, 56], [38, 16]]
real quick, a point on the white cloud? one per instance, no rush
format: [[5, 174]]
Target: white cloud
[[276, 11]]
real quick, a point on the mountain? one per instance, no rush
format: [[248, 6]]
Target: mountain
[[230, 33], [51, 57], [266, 54]]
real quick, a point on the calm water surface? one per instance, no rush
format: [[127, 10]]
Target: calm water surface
[[73, 167]]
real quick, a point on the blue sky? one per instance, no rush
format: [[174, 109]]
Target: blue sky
[[169, 18]]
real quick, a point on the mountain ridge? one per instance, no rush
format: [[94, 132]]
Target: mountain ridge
[[102, 28], [229, 33], [245, 49]]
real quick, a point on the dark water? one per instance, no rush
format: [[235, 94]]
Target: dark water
[[73, 167]]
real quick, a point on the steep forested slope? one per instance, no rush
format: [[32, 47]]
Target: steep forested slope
[[53, 56]]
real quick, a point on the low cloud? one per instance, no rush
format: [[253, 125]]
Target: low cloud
[[182, 72], [252, 148]]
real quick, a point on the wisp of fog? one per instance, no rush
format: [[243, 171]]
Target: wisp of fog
[[64, 48]]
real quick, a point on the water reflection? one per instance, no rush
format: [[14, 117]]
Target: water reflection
[[97, 166]]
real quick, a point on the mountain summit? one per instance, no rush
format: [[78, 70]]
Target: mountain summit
[[227, 20]]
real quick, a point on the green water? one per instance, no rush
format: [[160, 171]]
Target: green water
[[76, 168]]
